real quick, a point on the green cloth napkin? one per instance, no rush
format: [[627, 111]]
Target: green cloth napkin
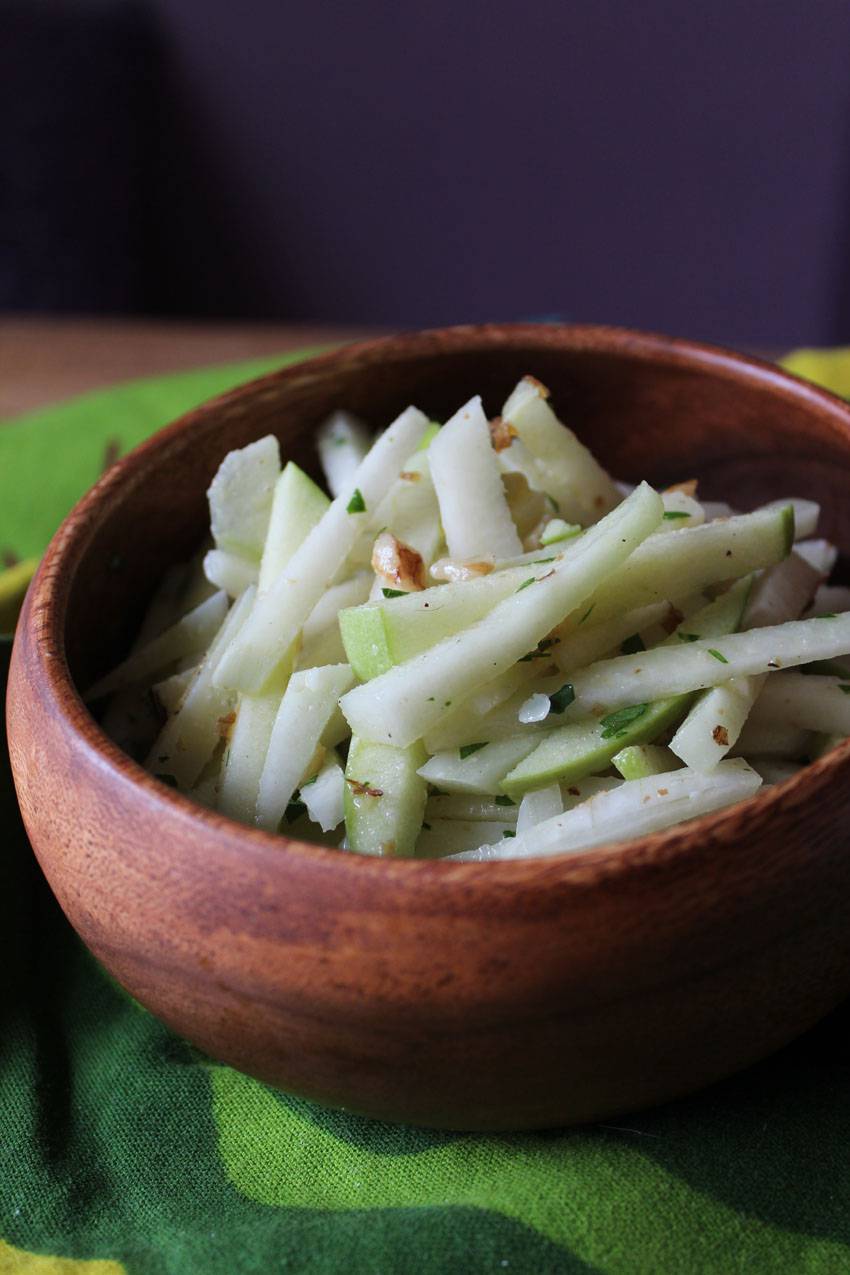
[[123, 1150]]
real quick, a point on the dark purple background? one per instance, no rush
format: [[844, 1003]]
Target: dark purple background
[[671, 164]]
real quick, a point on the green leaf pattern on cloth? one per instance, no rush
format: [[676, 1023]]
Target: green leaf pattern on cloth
[[123, 1150]]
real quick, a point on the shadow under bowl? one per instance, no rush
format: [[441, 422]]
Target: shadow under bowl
[[469, 996]]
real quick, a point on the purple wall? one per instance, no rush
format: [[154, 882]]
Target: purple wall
[[682, 166], [675, 164]]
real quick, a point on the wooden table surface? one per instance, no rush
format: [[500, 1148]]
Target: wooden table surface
[[45, 360]]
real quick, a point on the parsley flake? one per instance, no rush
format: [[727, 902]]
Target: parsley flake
[[615, 725], [294, 811], [508, 833], [671, 514], [587, 613], [632, 645], [688, 637], [393, 593], [718, 655], [562, 698], [356, 505], [526, 583]]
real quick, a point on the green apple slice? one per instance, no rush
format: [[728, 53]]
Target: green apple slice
[[240, 497], [297, 506], [404, 703], [568, 471], [282, 609], [384, 797], [636, 808]]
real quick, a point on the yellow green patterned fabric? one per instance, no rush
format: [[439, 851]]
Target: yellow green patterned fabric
[[122, 1150]]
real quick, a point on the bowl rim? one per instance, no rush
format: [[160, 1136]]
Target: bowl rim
[[47, 604]]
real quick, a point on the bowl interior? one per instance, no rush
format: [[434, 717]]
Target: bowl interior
[[648, 407]]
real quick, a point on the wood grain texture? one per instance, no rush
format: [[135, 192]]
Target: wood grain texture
[[477, 996]]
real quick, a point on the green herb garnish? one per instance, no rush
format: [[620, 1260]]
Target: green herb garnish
[[587, 613], [616, 724], [718, 655], [526, 583], [827, 615], [671, 514], [562, 698], [539, 652], [632, 645], [536, 561], [508, 834], [687, 637], [504, 801], [356, 504], [392, 593], [307, 782], [466, 750]]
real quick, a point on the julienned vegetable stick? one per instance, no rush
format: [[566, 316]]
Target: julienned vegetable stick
[[171, 690], [571, 743], [297, 506], [342, 442], [634, 809], [783, 741], [809, 702], [478, 770], [191, 635], [569, 472], [773, 771], [401, 705], [189, 738], [281, 612], [471, 808], [593, 641], [307, 705], [806, 514], [717, 718], [384, 798], [466, 476], [673, 567], [246, 753], [230, 571], [831, 598], [240, 497], [411, 511], [381, 634], [634, 679], [324, 796], [537, 807], [639, 761], [587, 747], [444, 837]]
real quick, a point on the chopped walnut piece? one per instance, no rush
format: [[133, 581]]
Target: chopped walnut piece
[[502, 434], [688, 487], [720, 735], [363, 790], [225, 725], [454, 570], [672, 619], [544, 389], [398, 564]]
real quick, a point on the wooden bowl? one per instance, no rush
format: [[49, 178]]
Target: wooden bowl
[[471, 996]]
